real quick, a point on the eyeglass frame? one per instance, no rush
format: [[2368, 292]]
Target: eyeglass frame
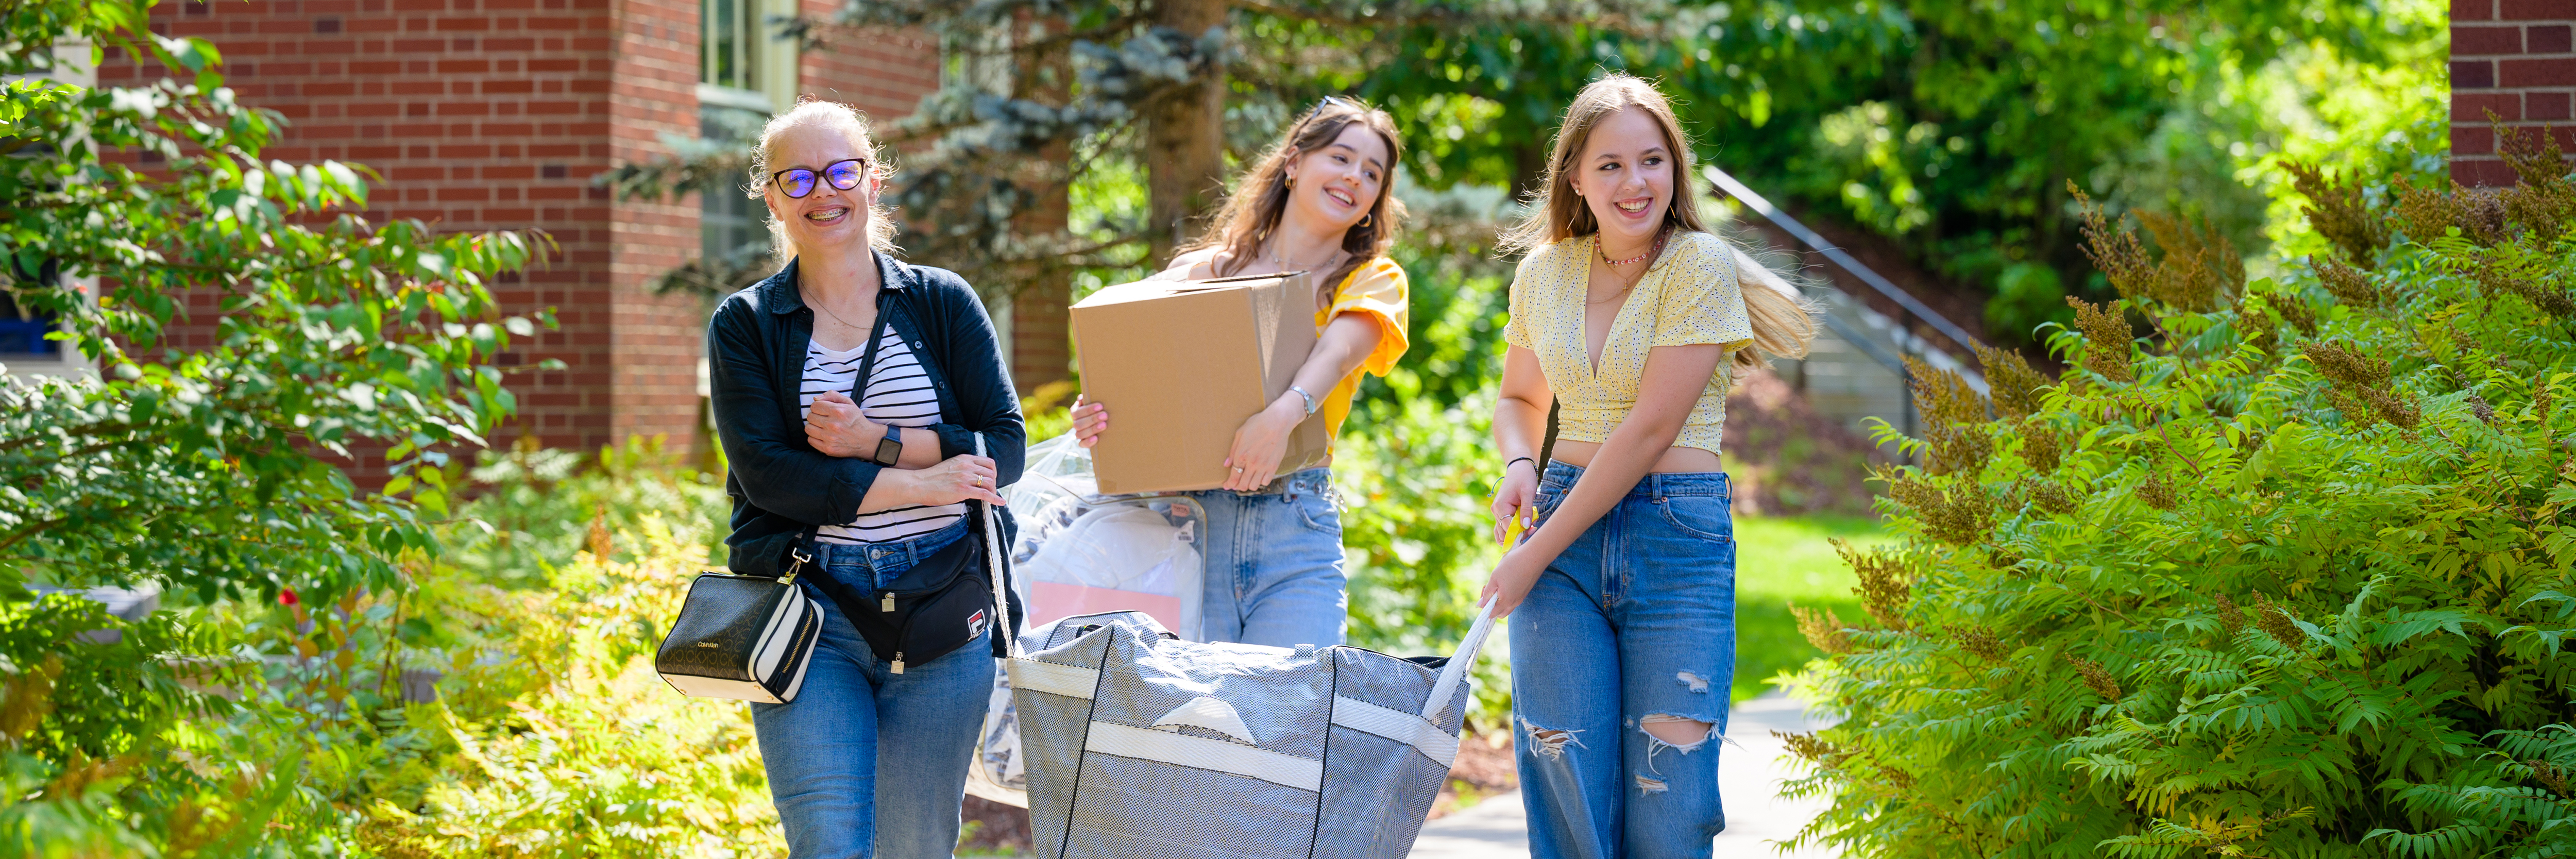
[[822, 176]]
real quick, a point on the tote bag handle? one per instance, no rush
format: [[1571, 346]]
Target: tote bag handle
[[993, 564], [1470, 649], [1458, 665]]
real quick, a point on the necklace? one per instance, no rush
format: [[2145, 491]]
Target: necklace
[[1628, 282], [1283, 265], [1651, 250], [835, 316]]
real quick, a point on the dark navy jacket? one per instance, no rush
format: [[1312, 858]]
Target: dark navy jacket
[[781, 485]]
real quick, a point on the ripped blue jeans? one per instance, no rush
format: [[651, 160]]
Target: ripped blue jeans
[[1631, 625]]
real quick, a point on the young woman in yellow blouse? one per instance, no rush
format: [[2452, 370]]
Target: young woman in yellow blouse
[[1316, 202], [1631, 316]]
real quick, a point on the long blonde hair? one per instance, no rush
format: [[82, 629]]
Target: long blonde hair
[[829, 114], [1260, 197], [1782, 324]]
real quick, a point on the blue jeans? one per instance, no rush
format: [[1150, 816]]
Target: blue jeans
[[1633, 624], [1274, 564], [842, 793]]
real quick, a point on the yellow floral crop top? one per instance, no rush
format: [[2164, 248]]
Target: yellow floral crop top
[[1689, 296]]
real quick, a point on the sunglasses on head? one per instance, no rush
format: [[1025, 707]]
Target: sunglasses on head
[[1328, 101], [799, 181]]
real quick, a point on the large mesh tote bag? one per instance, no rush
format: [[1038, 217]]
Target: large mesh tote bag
[[1144, 746]]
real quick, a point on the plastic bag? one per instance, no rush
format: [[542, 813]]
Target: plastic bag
[[1083, 553]]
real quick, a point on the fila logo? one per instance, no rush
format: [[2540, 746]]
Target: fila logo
[[975, 625]]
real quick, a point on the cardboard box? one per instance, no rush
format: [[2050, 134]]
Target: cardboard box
[[1181, 364]]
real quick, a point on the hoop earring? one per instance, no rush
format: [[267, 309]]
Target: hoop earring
[[1366, 219]]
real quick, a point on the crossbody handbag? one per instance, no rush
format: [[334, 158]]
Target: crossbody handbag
[[749, 638]]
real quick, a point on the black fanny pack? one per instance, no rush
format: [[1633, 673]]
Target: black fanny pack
[[937, 606]]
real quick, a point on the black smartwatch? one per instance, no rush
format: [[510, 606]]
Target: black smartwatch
[[890, 448]]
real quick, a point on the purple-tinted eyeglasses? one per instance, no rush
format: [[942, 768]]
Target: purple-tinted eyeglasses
[[799, 181]]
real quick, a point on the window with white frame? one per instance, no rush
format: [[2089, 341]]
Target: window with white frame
[[746, 72]]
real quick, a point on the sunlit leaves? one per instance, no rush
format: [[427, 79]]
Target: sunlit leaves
[[196, 464]]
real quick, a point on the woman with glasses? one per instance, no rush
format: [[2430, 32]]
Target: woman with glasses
[[1318, 202], [849, 390]]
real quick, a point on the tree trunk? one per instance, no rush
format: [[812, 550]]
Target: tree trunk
[[1529, 165], [1041, 343], [1185, 137]]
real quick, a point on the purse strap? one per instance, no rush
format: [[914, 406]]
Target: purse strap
[[868, 360], [798, 555], [993, 563]]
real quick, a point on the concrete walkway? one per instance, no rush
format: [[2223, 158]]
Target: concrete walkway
[[1749, 774]]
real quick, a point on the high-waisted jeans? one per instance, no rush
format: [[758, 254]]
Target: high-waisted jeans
[[1274, 564], [1633, 624], [866, 762]]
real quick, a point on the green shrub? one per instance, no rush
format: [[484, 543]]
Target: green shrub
[[106, 750], [551, 735], [2293, 579], [208, 472], [330, 333]]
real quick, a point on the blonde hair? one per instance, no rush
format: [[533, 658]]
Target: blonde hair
[[1782, 324], [1260, 197], [829, 114]]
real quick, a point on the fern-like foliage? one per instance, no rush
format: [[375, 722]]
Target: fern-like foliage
[[2291, 578]]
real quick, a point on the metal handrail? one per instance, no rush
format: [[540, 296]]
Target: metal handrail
[[1914, 310], [1904, 374], [1859, 340]]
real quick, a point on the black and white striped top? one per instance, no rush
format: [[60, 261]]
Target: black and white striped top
[[899, 394]]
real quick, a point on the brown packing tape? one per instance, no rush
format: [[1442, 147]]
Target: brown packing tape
[[1182, 364]]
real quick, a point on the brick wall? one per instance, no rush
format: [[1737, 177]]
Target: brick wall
[[654, 342], [495, 114], [884, 75], [478, 115], [2516, 58]]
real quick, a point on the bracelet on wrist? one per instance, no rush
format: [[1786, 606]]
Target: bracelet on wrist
[[1533, 461]]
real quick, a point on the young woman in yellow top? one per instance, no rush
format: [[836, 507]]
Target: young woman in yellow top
[[1631, 315], [1316, 202]]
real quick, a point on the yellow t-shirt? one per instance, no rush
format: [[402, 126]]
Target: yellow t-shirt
[[1691, 295], [1377, 289]]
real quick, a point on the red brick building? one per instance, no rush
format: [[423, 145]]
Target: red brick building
[[2516, 58], [497, 114]]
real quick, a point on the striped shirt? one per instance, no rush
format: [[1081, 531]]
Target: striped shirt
[[899, 394]]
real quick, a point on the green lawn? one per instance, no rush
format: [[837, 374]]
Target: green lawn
[[1785, 560]]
